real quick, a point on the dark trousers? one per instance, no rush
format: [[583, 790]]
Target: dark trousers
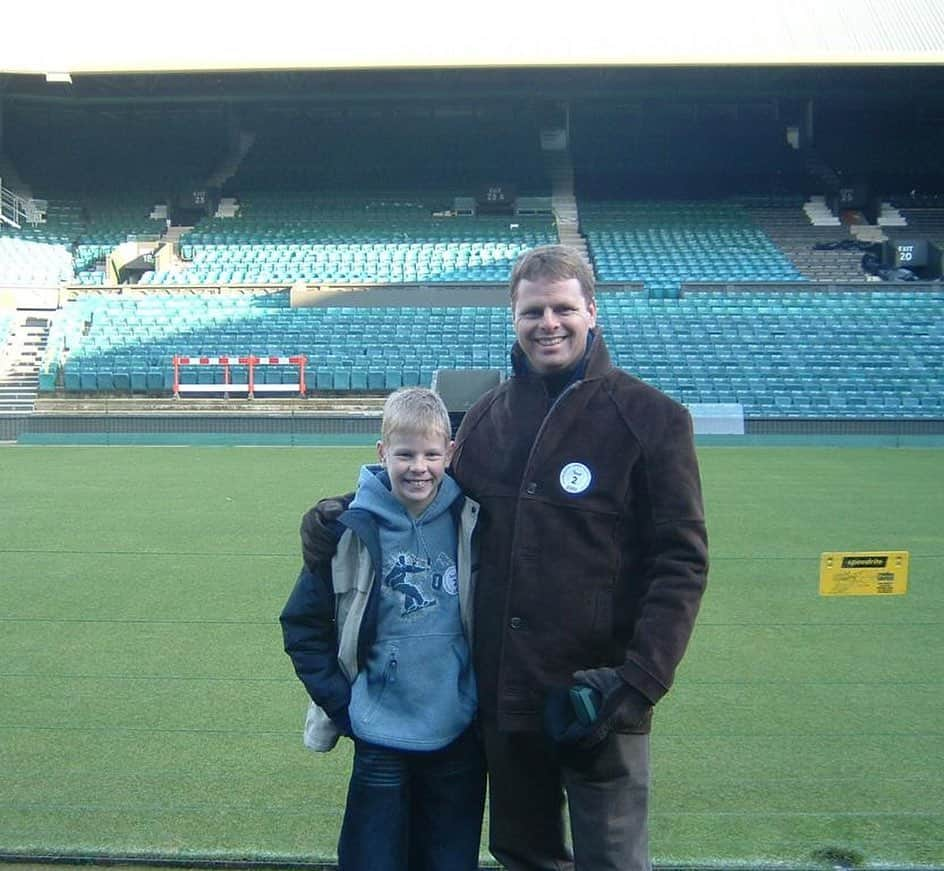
[[607, 796], [414, 811]]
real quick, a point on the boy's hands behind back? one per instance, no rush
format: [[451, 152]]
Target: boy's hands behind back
[[319, 530]]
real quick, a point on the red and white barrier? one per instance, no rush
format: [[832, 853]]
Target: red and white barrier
[[249, 387]]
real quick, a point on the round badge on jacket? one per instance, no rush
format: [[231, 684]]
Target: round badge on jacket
[[575, 477]]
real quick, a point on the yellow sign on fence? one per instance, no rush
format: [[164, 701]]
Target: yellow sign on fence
[[869, 573]]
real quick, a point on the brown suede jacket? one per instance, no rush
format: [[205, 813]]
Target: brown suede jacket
[[593, 549]]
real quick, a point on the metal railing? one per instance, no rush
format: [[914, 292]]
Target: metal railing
[[15, 210], [12, 207]]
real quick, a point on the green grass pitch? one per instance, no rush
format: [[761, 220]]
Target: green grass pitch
[[146, 706]]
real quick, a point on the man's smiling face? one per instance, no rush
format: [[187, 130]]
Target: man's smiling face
[[552, 319]]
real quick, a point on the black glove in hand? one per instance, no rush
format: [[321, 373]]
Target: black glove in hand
[[318, 530], [560, 719], [622, 706]]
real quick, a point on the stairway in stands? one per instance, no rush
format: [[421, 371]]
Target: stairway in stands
[[793, 232], [20, 359], [564, 202]]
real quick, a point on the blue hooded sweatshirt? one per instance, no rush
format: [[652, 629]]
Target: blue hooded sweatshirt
[[417, 690]]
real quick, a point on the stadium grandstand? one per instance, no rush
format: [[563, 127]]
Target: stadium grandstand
[[765, 219]]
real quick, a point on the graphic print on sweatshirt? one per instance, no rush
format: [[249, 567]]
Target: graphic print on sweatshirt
[[419, 581]]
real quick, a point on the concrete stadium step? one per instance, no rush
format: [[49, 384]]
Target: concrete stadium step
[[20, 363], [367, 405], [17, 399]]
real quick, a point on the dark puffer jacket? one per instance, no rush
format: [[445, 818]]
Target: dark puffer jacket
[[593, 543]]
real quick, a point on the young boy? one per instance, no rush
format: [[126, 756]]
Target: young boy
[[381, 640]]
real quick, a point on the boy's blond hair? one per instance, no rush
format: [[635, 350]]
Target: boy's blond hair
[[415, 410]]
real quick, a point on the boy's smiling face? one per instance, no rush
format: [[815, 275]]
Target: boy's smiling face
[[416, 463]]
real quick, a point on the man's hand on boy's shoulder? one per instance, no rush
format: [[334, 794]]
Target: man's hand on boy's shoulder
[[320, 531]]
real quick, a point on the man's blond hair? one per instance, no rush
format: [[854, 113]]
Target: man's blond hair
[[557, 262], [415, 410]]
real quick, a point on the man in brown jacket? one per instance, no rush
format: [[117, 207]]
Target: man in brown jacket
[[593, 561]]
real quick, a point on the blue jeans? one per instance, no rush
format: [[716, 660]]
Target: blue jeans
[[414, 811]]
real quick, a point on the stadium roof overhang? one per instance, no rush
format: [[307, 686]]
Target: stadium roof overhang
[[109, 37], [451, 55]]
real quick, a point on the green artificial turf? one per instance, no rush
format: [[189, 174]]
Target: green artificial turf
[[146, 707]]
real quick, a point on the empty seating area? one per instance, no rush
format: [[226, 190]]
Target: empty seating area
[[63, 226], [278, 238], [689, 194], [109, 221], [32, 262], [285, 238], [128, 344], [805, 354], [76, 236], [664, 243]]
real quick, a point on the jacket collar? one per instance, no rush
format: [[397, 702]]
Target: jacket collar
[[595, 363], [364, 525]]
